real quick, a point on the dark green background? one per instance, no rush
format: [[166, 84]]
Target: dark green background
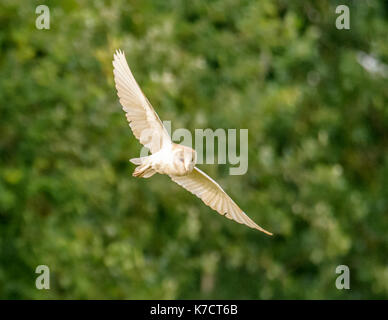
[[318, 142]]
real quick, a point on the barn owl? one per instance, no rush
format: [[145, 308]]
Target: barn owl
[[176, 161]]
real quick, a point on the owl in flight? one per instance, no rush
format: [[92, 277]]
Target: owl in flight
[[177, 161]]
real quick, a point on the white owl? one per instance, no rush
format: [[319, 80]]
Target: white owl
[[166, 157]]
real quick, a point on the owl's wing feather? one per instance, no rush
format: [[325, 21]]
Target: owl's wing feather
[[143, 120], [211, 193]]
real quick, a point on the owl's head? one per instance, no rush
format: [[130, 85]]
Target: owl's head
[[185, 158]]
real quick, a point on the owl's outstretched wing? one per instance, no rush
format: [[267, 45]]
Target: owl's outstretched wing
[[210, 192], [143, 120]]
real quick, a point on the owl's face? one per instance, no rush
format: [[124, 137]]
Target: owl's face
[[185, 159]]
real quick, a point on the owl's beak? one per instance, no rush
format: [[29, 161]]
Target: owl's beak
[[187, 165]]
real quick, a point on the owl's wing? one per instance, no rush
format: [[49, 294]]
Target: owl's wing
[[210, 192], [143, 120]]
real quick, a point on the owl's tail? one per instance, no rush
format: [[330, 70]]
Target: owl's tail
[[144, 169], [138, 161]]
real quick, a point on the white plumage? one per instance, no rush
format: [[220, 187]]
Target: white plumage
[[166, 157]]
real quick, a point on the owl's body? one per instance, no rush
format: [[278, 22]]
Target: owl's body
[[173, 159]]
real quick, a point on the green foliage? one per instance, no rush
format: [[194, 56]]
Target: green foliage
[[318, 142]]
